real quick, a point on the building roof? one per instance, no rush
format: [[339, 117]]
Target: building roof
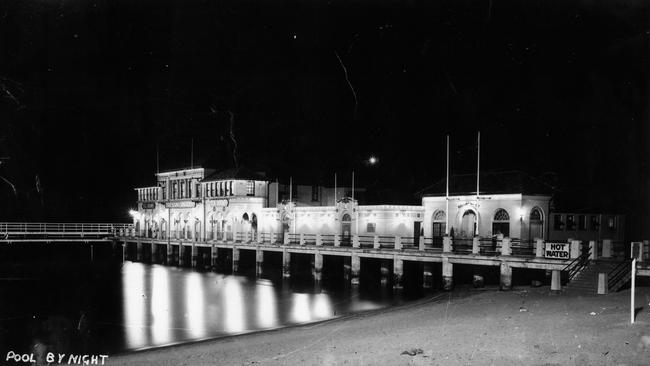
[[507, 182], [236, 173]]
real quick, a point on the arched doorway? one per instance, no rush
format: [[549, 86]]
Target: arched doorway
[[468, 224], [163, 228], [536, 224], [197, 229], [439, 225], [501, 223], [254, 224], [346, 229]]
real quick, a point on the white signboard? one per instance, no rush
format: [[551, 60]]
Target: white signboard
[[557, 250]]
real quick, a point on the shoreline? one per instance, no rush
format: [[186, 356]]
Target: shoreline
[[529, 326]]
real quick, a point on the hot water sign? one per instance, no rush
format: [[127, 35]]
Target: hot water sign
[[557, 250]]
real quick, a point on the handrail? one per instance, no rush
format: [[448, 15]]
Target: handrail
[[577, 265], [618, 273]]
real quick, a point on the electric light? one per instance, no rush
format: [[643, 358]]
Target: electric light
[[373, 160]]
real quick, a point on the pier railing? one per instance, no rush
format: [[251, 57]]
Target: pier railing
[[36, 229]]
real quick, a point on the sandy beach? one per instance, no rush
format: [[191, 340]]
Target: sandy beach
[[526, 326]]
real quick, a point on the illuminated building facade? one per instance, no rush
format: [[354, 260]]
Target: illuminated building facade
[[200, 204]]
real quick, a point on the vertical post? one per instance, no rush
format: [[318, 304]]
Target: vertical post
[[92, 257], [319, 239], [286, 263], [398, 273], [506, 277], [355, 269], [421, 243], [355, 241], [214, 254], [607, 248], [194, 255], [123, 251], [318, 266], [235, 259], [337, 240], [576, 248], [476, 245], [505, 246], [286, 239], [556, 284], [302, 238], [447, 245], [427, 277], [154, 252], [385, 272], [602, 283], [447, 193], [539, 248], [632, 290], [138, 254], [259, 262], [181, 256], [447, 274], [375, 242], [398, 243], [593, 250]]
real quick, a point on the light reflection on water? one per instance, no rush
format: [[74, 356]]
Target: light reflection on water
[[164, 305]]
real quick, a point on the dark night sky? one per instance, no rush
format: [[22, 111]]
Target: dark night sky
[[89, 88]]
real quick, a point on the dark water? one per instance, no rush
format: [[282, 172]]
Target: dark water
[[107, 307]]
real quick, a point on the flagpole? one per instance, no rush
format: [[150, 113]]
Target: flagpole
[[335, 198], [353, 185], [447, 193], [478, 169], [478, 163]]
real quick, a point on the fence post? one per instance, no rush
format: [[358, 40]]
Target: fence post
[[593, 249], [447, 244], [505, 246], [398, 243], [539, 249], [607, 248], [576, 246], [421, 246], [355, 241], [476, 249], [319, 240], [337, 240], [375, 243], [286, 239], [302, 238]]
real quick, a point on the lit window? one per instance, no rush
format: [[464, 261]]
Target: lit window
[[558, 223], [314, 193], [611, 223], [582, 222], [250, 188], [371, 227], [570, 222], [595, 223]]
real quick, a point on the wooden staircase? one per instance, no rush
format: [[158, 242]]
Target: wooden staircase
[[586, 281]]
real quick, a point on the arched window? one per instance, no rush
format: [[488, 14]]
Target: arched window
[[536, 229], [501, 223], [535, 215], [439, 215], [346, 229]]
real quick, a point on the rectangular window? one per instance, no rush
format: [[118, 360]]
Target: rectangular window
[[371, 227], [314, 194], [570, 222], [558, 223], [582, 222], [611, 223], [250, 188], [174, 190], [198, 190], [594, 223]]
